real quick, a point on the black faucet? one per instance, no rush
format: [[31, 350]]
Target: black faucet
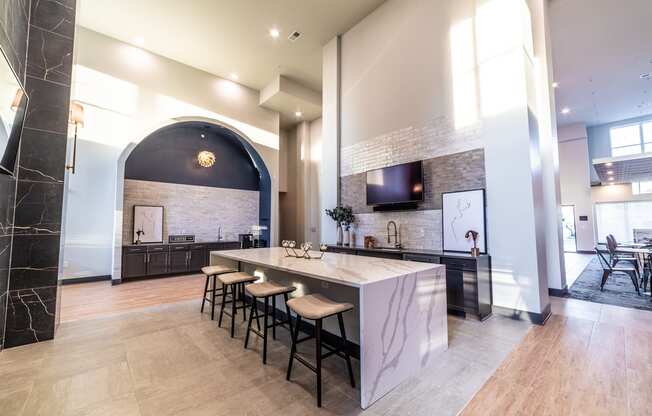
[[397, 236]]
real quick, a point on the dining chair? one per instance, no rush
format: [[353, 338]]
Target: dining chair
[[609, 270], [616, 257]]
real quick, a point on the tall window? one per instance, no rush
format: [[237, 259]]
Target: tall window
[[622, 218], [632, 139], [639, 188]]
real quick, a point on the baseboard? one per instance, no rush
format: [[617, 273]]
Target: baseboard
[[560, 293], [532, 317], [86, 279], [307, 328], [116, 282]]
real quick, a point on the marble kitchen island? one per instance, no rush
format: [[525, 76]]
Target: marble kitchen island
[[399, 320]]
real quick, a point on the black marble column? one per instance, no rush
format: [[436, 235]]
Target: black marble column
[[14, 27], [31, 303]]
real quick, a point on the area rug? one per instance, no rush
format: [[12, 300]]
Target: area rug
[[618, 290]]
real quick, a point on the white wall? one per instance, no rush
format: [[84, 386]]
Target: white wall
[[128, 93], [574, 169]]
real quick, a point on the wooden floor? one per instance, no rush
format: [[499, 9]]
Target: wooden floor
[[588, 359], [100, 299]]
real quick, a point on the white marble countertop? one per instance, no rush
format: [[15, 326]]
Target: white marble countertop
[[345, 269]]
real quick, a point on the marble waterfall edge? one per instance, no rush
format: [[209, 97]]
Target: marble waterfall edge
[[403, 329]]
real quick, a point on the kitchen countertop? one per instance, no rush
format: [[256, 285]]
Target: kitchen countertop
[[407, 251], [182, 242], [346, 269]]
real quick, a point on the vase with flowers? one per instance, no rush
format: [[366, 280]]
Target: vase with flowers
[[343, 217]]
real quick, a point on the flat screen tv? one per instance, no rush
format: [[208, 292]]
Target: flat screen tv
[[395, 184], [13, 107]]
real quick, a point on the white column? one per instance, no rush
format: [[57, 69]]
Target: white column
[[330, 151], [521, 167]]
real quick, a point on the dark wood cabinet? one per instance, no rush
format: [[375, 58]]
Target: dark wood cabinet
[[468, 279], [197, 257], [178, 260], [161, 259], [157, 263], [134, 265]]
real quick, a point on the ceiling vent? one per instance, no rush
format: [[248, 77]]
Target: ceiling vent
[[294, 36]]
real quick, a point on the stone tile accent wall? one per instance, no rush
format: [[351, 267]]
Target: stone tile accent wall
[[438, 137], [456, 172], [419, 229], [190, 209], [453, 160]]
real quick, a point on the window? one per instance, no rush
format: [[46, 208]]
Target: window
[[632, 139], [647, 136], [642, 187], [622, 219]]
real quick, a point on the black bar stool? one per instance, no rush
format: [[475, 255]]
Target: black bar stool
[[318, 307], [234, 282], [267, 290], [211, 273]]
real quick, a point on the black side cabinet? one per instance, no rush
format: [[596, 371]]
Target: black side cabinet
[[134, 261]]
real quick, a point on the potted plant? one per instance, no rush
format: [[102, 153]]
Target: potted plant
[[347, 220], [473, 235], [343, 216]]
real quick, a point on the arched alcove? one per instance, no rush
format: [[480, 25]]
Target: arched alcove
[[169, 154]]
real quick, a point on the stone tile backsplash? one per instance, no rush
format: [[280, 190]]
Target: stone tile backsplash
[[191, 209], [418, 229]]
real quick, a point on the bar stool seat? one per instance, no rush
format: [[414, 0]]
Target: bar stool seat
[[267, 290], [316, 306], [236, 277], [233, 284], [264, 289], [211, 272]]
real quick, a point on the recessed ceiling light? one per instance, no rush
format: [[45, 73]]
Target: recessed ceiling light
[[234, 76], [203, 136], [611, 179], [555, 85], [139, 40], [609, 164], [611, 172], [565, 110], [274, 32], [298, 114]]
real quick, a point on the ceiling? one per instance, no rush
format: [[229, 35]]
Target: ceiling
[[600, 48], [624, 169], [227, 37]]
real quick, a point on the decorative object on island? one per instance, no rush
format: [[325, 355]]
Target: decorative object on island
[[369, 241], [289, 246], [148, 224], [206, 159], [462, 211], [475, 251], [76, 117], [343, 217]]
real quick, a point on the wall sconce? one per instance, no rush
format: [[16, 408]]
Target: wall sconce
[[76, 117], [206, 159], [16, 102]]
